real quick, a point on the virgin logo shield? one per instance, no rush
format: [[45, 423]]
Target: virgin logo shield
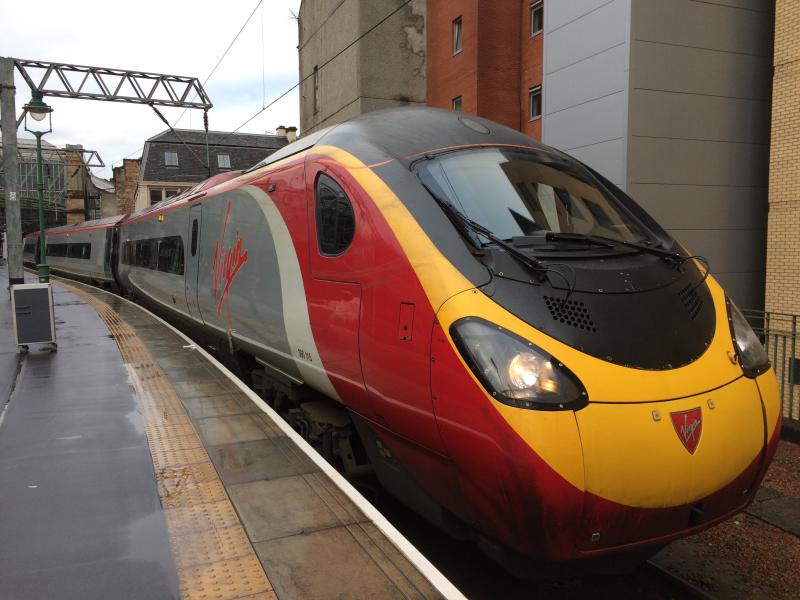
[[688, 425]]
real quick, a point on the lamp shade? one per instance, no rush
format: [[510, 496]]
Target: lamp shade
[[37, 108]]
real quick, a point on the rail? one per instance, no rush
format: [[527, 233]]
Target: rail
[[779, 334]]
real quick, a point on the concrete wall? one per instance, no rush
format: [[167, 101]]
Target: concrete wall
[[698, 139], [385, 68], [783, 242], [586, 50]]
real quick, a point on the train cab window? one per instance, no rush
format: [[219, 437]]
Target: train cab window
[[194, 237], [336, 222]]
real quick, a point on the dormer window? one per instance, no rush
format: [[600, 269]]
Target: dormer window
[[171, 158]]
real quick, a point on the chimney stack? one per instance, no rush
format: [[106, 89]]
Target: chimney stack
[[281, 131], [291, 134]]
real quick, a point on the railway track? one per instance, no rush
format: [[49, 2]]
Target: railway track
[[677, 582]]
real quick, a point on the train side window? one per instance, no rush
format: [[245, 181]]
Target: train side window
[[82, 251], [194, 237], [170, 255], [336, 221], [58, 250]]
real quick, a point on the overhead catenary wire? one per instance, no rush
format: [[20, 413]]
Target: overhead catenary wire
[[296, 85], [206, 165], [224, 54], [320, 67]]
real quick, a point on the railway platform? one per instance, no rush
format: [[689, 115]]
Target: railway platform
[[133, 465]]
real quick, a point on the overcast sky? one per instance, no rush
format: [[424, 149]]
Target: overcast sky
[[177, 37]]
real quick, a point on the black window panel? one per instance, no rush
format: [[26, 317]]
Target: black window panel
[[336, 222], [82, 251], [194, 237], [57, 250], [170, 255], [145, 254], [155, 196]]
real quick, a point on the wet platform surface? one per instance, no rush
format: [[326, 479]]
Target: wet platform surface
[[132, 467]]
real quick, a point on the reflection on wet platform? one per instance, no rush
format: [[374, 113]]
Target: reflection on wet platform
[[156, 463]]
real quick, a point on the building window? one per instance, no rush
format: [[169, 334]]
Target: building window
[[457, 36], [537, 18], [316, 89], [171, 159], [155, 196], [457, 103], [224, 161], [535, 102]]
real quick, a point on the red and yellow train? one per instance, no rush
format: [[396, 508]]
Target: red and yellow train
[[518, 350]]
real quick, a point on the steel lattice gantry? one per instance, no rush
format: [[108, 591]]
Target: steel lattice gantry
[[115, 85]]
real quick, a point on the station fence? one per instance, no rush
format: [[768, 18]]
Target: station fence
[[779, 334]]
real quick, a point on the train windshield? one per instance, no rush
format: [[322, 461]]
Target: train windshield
[[519, 193]]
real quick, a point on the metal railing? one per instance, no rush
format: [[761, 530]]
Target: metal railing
[[779, 334]]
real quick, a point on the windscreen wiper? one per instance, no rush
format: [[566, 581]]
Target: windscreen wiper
[[464, 223], [601, 240]]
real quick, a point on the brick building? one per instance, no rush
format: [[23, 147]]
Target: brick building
[[485, 58], [783, 233], [126, 180]]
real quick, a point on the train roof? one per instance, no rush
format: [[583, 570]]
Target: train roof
[[407, 133], [105, 223]]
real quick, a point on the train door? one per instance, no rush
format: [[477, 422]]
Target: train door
[[335, 291], [193, 261]]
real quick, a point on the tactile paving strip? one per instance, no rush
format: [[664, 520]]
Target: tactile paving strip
[[214, 558]]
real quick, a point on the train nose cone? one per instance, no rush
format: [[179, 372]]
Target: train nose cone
[[655, 469]]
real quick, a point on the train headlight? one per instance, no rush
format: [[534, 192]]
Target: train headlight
[[752, 355], [513, 370]]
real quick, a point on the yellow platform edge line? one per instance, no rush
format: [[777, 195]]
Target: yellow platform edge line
[[213, 555]]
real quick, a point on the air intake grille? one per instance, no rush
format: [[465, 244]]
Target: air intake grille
[[570, 312], [691, 300]]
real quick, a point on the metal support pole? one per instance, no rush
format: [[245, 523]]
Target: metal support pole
[[44, 270], [8, 125]]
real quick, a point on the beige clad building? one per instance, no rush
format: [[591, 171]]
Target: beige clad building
[[783, 240]]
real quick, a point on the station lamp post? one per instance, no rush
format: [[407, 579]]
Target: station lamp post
[[41, 124]]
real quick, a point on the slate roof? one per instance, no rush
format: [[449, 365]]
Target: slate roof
[[244, 150]]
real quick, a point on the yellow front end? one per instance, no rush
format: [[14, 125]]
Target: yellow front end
[[648, 473]]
